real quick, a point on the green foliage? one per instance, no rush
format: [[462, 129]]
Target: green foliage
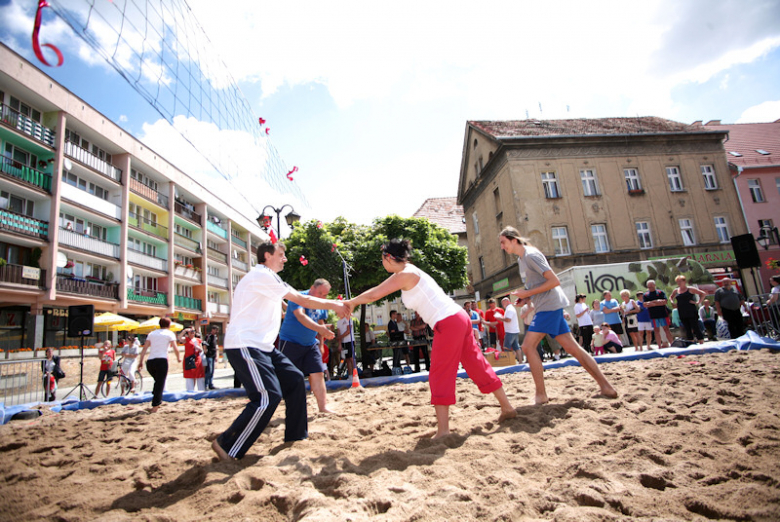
[[3, 262], [35, 257]]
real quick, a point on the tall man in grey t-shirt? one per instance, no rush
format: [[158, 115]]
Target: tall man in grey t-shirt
[[544, 289], [728, 303]]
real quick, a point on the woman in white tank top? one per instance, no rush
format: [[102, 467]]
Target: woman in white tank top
[[453, 341]]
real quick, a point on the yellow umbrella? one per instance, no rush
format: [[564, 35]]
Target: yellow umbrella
[[153, 324], [126, 325], [108, 322]]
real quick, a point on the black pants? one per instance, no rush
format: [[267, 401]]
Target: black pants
[[691, 325], [416, 354], [587, 336], [158, 369], [48, 396], [735, 322]]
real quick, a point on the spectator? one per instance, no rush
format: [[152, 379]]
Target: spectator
[[475, 321], [396, 337], [611, 341], [709, 318], [596, 315], [527, 315], [211, 348], [420, 335], [512, 328], [684, 299], [655, 300], [611, 309], [157, 343], [492, 324], [598, 340], [129, 355], [644, 324], [483, 335], [630, 310], [584, 322], [107, 355], [728, 303], [52, 373], [192, 348], [346, 339]]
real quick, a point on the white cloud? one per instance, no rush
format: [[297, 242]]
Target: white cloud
[[768, 111], [123, 118]]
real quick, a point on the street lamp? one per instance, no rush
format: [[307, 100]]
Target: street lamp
[[768, 235], [265, 220]]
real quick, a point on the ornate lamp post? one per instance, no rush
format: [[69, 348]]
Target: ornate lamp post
[[265, 220]]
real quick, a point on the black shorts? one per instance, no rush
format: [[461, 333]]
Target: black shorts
[[308, 359], [617, 328], [105, 375], [346, 350], [492, 337]]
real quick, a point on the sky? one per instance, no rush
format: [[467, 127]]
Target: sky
[[370, 100]]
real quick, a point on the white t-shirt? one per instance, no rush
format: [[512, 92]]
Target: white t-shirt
[[584, 319], [256, 314], [159, 340], [513, 326], [343, 325]]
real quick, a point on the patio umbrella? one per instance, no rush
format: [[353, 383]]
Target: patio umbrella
[[108, 322], [153, 324]]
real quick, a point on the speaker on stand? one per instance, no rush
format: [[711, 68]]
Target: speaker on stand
[[80, 324], [747, 255]]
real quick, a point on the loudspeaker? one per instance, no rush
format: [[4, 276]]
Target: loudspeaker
[[745, 251], [80, 320]]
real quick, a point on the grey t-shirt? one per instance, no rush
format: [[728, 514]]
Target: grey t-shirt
[[532, 265], [728, 299]]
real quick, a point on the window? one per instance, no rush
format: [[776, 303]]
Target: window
[[600, 241], [643, 233], [481, 164], [184, 260], [141, 178], [675, 181], [141, 246], [722, 228], [754, 186], [183, 231], [777, 184], [767, 224], [632, 179], [710, 183], [561, 241], [213, 271], [236, 279], [21, 156], [16, 204], [28, 111], [550, 184], [589, 187], [213, 297], [84, 144], [183, 290], [482, 267], [87, 186], [476, 222], [95, 270], [686, 230], [497, 202]]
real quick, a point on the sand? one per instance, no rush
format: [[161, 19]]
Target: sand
[[691, 438]]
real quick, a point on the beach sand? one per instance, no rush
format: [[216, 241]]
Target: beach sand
[[690, 438]]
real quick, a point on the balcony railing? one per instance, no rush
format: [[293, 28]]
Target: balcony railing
[[88, 243], [26, 174], [217, 308], [21, 224], [239, 241], [147, 296], [84, 198], [75, 285], [218, 281], [237, 263], [187, 302], [15, 274], [185, 242], [141, 223], [32, 128], [189, 273], [216, 229], [187, 212], [140, 258], [149, 193], [216, 255], [90, 160]]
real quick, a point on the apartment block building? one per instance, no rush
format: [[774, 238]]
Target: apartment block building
[[595, 191], [90, 215]]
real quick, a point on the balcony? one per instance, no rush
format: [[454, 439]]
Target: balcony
[[237, 263], [216, 308], [85, 157], [147, 296], [185, 242], [27, 126], [218, 281], [216, 255], [187, 302], [140, 258], [25, 174], [188, 273], [87, 243], [185, 211], [149, 193], [13, 222], [76, 285], [216, 229], [141, 223], [239, 241], [86, 199], [14, 274]]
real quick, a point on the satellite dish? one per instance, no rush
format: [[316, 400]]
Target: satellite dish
[[62, 260], [67, 164], [129, 272]]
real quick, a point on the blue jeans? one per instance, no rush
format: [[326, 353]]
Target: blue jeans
[[208, 367]]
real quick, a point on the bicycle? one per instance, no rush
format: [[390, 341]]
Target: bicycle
[[124, 385]]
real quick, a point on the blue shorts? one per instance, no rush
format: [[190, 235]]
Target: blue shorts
[[512, 341], [551, 323], [659, 323], [308, 359]]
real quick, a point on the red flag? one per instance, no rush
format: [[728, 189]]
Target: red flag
[[273, 236]]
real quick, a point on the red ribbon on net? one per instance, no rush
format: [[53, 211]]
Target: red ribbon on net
[[267, 130], [273, 236], [36, 45], [304, 261], [261, 120], [289, 174]]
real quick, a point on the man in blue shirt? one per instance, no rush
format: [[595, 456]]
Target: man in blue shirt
[[299, 342]]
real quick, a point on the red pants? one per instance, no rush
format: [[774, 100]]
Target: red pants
[[453, 344]]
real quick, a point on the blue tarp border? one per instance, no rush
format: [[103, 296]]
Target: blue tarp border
[[749, 341]]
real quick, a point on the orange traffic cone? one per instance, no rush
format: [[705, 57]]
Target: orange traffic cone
[[355, 378]]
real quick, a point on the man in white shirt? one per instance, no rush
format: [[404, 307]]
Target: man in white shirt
[[511, 328], [266, 373]]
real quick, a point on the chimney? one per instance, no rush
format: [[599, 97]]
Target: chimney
[[713, 122]]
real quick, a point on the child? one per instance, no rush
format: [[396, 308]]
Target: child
[[611, 340], [643, 322], [597, 345]]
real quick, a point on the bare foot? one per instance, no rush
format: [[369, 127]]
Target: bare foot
[[154, 409], [609, 392], [440, 435], [541, 399], [221, 454], [506, 415], [328, 410]]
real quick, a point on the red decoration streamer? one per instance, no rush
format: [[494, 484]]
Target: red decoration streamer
[[36, 45], [274, 240], [289, 174], [261, 120], [267, 130], [304, 261]]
